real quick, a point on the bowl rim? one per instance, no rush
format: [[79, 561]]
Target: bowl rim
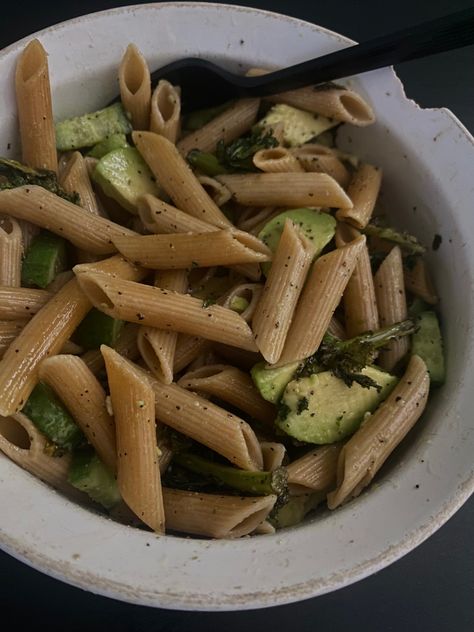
[[63, 571]]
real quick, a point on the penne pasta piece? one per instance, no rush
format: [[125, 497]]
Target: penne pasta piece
[[273, 455], [216, 191], [292, 189], [138, 469], [126, 346], [363, 191], [70, 348], [419, 283], [367, 450], [231, 385], [59, 281], [248, 292], [213, 515], [198, 250], [159, 217], [274, 312], [18, 303], [336, 329], [9, 330], [226, 127], [35, 112], [177, 178], [340, 104], [321, 295], [360, 305], [46, 334], [322, 159], [43, 208], [188, 348], [26, 446], [252, 220], [207, 358], [276, 160], [238, 357], [156, 346], [392, 305], [75, 178], [315, 471], [28, 232], [165, 111], [164, 309], [84, 398], [135, 87], [11, 252]]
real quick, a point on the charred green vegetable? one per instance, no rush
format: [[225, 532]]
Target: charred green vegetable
[[407, 242], [346, 358], [14, 174]]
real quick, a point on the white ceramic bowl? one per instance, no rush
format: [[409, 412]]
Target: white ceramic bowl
[[427, 157]]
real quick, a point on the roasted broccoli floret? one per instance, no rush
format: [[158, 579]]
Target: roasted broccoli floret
[[346, 358]]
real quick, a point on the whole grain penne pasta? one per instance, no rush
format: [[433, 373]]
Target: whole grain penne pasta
[[138, 469], [231, 385], [188, 348], [208, 424], [322, 159], [18, 303], [165, 111], [337, 103], [252, 220], [75, 179], [273, 455], [323, 290], [135, 87], [84, 398], [35, 113], [315, 471], [126, 346], [9, 330], [209, 357], [59, 281], [159, 217], [177, 178], [240, 358], [274, 312], [391, 304], [248, 293], [292, 189], [419, 283], [157, 346], [202, 250], [46, 334], [367, 450], [215, 189], [360, 305], [28, 232], [11, 252], [336, 329], [225, 127], [71, 348], [276, 160], [156, 307], [43, 208], [26, 446], [215, 516], [363, 191]]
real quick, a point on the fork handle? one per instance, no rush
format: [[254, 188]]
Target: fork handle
[[435, 36]]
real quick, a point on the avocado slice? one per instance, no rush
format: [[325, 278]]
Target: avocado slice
[[318, 227], [116, 141], [89, 129], [88, 474], [298, 126], [271, 382], [124, 176], [322, 409], [427, 342]]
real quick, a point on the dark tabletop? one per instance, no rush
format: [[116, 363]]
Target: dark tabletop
[[429, 590]]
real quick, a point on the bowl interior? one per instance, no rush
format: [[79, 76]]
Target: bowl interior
[[427, 190]]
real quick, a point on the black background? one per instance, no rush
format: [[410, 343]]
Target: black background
[[431, 589]]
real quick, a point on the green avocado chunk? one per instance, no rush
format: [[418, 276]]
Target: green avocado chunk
[[271, 382], [298, 126], [318, 227], [89, 129], [88, 474], [116, 141], [427, 342], [124, 176], [322, 409]]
